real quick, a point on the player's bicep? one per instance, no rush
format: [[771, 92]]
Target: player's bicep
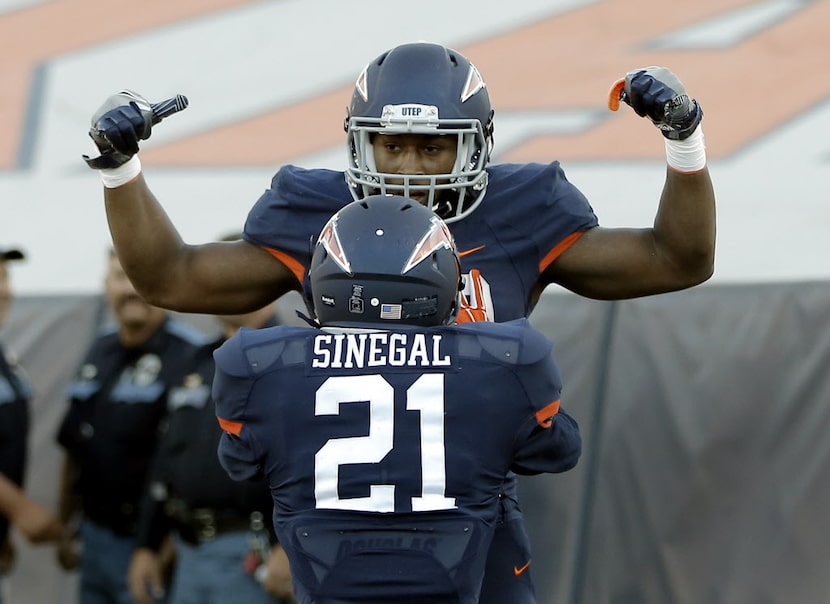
[[611, 264], [232, 277]]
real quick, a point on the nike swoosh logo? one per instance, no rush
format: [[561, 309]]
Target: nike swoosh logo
[[518, 570], [470, 251]]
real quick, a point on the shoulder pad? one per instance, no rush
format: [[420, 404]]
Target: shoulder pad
[[512, 343], [254, 351]]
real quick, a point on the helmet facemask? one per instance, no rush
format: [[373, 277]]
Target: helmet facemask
[[452, 195]]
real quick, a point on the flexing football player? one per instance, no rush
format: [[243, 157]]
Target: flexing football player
[[386, 434], [420, 124]]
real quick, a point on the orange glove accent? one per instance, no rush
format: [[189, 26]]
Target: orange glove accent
[[615, 94]]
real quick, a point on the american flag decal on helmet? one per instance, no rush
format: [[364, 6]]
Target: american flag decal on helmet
[[390, 311]]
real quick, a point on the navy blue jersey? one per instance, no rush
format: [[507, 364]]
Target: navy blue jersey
[[530, 214], [15, 393], [386, 451]]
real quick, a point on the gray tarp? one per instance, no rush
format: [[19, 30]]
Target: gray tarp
[[705, 477]]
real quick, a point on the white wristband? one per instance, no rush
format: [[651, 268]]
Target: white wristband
[[115, 177], [688, 155]]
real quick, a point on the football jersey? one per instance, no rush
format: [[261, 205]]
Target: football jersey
[[529, 215], [386, 451]]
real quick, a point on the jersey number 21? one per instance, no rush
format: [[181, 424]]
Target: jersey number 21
[[426, 396]]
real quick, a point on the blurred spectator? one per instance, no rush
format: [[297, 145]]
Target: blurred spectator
[[222, 529], [117, 403], [35, 521], [224, 540]]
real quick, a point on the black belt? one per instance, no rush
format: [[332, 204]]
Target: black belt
[[200, 525], [121, 519], [206, 524]]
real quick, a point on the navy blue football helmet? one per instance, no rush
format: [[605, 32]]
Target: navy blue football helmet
[[422, 88], [385, 260]]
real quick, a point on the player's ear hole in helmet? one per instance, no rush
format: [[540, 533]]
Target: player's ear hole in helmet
[[427, 89], [384, 260]]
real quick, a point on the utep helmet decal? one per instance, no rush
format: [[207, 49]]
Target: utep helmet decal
[[384, 259]]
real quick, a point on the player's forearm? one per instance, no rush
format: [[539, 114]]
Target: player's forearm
[[11, 497], [685, 225], [146, 241]]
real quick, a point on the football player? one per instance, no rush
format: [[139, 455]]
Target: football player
[[420, 124], [386, 434]]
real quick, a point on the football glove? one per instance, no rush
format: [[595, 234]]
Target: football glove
[[117, 126], [658, 94]]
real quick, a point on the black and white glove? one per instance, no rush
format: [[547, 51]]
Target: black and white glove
[[658, 94], [117, 126]]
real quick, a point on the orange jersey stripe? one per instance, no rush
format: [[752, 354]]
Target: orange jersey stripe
[[558, 249], [234, 428], [545, 415], [295, 267]]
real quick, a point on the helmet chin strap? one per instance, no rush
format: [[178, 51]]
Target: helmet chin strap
[[312, 322]]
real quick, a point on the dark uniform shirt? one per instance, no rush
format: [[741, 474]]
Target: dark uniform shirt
[[117, 401], [530, 214], [386, 451], [15, 393], [188, 487]]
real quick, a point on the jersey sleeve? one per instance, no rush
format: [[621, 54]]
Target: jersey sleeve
[[550, 448], [543, 204], [238, 451], [568, 214], [289, 215], [551, 441]]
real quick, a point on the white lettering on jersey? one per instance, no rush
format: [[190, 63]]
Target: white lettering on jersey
[[378, 349]]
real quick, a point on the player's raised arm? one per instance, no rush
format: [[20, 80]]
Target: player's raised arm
[[226, 277], [679, 250]]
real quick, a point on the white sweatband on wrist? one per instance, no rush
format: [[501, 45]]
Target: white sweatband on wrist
[[115, 177], [688, 155]]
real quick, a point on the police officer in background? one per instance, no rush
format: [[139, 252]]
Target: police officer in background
[[116, 405], [226, 550], [35, 521], [225, 546]]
